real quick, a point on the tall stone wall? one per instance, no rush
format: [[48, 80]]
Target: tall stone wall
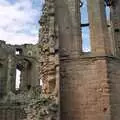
[[84, 89]]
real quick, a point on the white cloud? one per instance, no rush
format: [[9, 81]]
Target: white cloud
[[19, 21]]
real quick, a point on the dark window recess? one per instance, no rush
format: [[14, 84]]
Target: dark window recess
[[117, 30], [28, 87], [18, 51], [109, 2]]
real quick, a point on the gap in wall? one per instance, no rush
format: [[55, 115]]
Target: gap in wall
[[17, 82], [86, 46]]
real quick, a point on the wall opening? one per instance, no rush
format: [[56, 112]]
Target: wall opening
[[109, 2], [86, 46], [41, 82], [17, 82], [107, 13], [18, 51]]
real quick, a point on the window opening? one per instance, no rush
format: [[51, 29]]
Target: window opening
[[18, 51], [18, 76], [86, 39], [86, 47], [41, 82], [107, 13], [109, 2]]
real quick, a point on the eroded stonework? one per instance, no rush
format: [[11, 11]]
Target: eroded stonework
[[39, 65], [23, 58], [59, 81], [48, 48]]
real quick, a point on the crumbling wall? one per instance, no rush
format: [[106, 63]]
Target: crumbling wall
[[48, 48], [28, 63], [46, 106], [5, 54], [24, 58], [89, 83]]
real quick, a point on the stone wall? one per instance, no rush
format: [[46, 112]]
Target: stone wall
[[114, 81], [115, 26], [84, 89], [11, 112], [24, 58], [48, 48], [58, 80]]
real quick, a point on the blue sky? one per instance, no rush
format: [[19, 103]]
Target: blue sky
[[19, 20], [85, 30]]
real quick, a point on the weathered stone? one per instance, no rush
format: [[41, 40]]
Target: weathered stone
[[59, 81]]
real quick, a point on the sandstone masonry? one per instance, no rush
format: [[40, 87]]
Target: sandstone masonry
[[76, 85]]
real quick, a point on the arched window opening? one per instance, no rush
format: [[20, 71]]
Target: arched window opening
[[86, 47], [17, 82]]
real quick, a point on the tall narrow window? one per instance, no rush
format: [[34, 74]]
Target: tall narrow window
[[107, 11], [110, 28], [17, 84], [86, 47]]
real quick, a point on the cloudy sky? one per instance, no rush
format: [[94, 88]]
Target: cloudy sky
[[19, 20]]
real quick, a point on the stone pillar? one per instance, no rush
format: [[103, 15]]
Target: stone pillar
[[100, 42], [24, 77], [70, 46], [68, 19], [11, 77], [115, 25]]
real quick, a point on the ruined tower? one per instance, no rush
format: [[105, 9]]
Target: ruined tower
[[89, 83]]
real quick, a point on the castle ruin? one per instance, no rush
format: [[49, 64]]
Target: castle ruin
[[76, 85]]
